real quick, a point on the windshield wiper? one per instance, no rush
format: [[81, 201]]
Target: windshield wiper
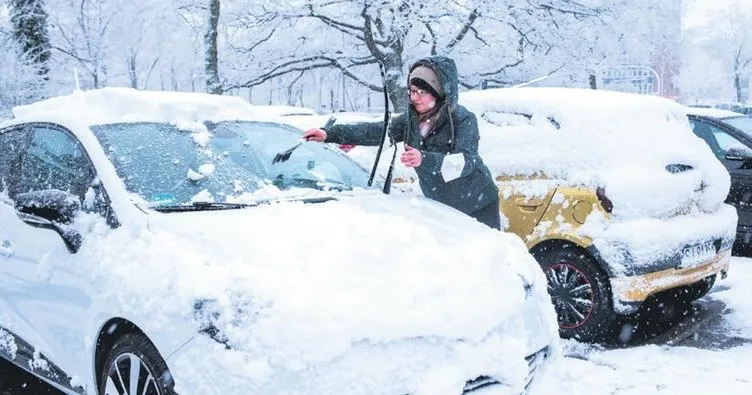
[[202, 206], [210, 206]]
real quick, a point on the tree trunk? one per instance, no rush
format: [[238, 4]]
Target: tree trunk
[[396, 88], [210, 43], [593, 81], [29, 19], [738, 86], [396, 82], [132, 74]]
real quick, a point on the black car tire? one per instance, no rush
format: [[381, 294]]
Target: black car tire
[[580, 292], [153, 378]]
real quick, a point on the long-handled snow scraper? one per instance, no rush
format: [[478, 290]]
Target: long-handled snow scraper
[[387, 120]]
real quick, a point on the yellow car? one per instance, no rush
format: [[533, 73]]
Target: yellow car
[[613, 195]]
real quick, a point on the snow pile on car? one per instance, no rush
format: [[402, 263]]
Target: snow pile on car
[[640, 148], [309, 288], [116, 105]]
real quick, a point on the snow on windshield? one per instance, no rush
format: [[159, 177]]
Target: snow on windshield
[[221, 162]]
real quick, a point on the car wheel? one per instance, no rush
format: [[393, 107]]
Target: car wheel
[[133, 366], [580, 292]]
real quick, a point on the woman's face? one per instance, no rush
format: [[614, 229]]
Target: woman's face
[[422, 100]]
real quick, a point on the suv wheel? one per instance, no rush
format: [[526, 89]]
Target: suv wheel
[[134, 367], [580, 292]]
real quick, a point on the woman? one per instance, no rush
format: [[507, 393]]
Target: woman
[[441, 141]]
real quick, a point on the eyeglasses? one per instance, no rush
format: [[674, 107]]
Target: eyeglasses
[[420, 92]]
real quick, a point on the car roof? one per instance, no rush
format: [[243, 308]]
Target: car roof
[[119, 105], [712, 112], [568, 103]]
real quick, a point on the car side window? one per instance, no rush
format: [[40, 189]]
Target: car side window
[[54, 160], [13, 144], [726, 141], [708, 133]]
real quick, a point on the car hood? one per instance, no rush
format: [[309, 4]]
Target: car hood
[[310, 280]]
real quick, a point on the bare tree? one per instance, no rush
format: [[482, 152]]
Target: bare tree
[[85, 38], [118, 41], [723, 44], [213, 84], [353, 36]]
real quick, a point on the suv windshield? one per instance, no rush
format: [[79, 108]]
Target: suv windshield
[[742, 123], [171, 164]]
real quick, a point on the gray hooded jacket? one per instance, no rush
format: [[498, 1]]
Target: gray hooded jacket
[[456, 131]]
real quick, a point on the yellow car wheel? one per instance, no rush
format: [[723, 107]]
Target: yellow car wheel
[[580, 292]]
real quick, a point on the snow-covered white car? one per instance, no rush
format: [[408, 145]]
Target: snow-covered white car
[[149, 245]]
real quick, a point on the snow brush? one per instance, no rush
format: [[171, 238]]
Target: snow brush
[[285, 155]]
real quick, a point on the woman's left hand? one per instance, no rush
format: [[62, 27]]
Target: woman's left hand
[[411, 157]]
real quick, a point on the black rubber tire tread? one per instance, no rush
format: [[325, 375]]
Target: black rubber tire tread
[[603, 320], [140, 345]]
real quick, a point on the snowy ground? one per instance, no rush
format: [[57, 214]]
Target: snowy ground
[[654, 369]]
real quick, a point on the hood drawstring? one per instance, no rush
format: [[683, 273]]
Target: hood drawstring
[[453, 142]]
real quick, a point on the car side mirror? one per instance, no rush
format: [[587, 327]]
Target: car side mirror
[[53, 205], [738, 153], [51, 209]]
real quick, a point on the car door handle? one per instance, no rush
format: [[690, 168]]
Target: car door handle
[[6, 249]]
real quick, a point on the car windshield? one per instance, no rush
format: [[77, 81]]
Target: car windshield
[[742, 123], [170, 164]]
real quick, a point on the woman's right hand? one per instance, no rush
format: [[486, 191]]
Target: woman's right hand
[[315, 135]]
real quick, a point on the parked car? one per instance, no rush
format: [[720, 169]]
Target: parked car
[[729, 136], [150, 245], [611, 192]]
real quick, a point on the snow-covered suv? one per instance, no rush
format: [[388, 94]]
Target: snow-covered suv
[[150, 245]]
